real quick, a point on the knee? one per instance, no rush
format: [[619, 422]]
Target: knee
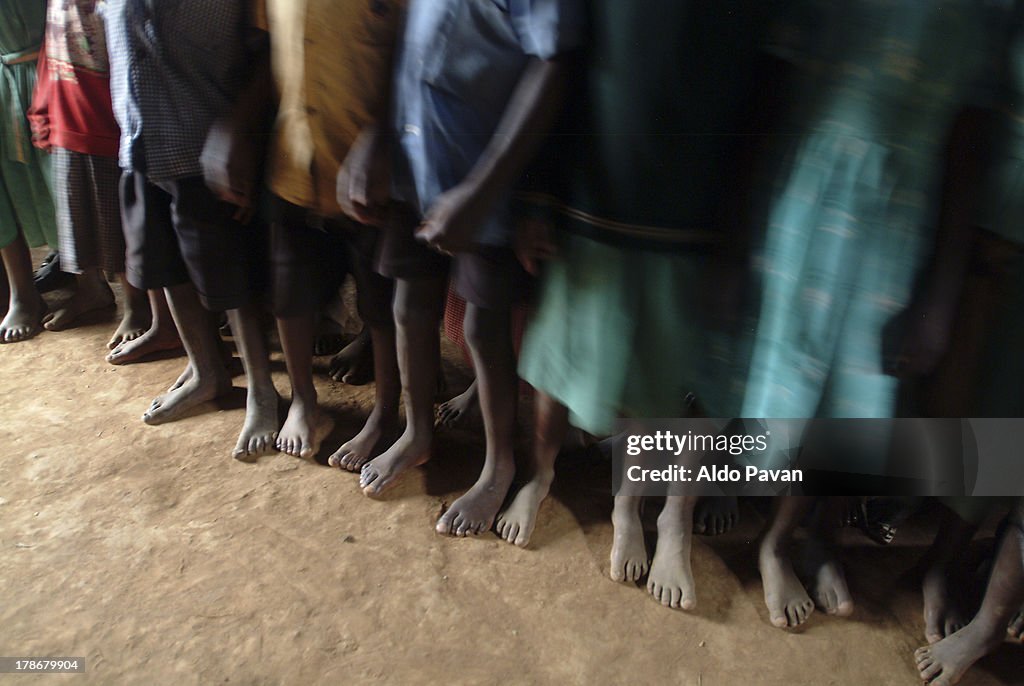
[[418, 304], [486, 330]]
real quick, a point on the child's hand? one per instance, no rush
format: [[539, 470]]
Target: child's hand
[[533, 243], [364, 180], [452, 223], [230, 162]]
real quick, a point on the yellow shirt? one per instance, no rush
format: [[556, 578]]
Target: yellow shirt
[[332, 64]]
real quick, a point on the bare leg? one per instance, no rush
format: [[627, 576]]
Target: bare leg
[[489, 335], [671, 579], [137, 317], [821, 561], [383, 419], [91, 294], [462, 408], [306, 426], [787, 600], [418, 308], [354, 364], [629, 561], [944, 606], [26, 307], [517, 522], [162, 335], [209, 379], [261, 422], [946, 662]]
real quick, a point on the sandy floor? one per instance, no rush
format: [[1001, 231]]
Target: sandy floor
[[161, 560]]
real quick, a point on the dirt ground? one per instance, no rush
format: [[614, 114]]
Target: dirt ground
[[161, 560]]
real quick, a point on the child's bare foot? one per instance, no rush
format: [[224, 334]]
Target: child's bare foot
[[366, 444], [629, 561], [177, 402], [671, 578], [464, 407], [304, 430], [22, 321], [828, 581], [150, 343], [515, 524], [474, 512], [133, 325], [789, 606], [260, 429], [89, 298], [381, 474], [354, 364], [329, 338], [716, 516], [946, 662], [943, 608], [1016, 627]]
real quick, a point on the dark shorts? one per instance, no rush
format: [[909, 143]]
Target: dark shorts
[[489, 277], [310, 257], [178, 231]]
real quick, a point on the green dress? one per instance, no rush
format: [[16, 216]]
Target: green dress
[[636, 190], [851, 217], [26, 203]]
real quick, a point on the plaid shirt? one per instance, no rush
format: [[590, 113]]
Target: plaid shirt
[[175, 67]]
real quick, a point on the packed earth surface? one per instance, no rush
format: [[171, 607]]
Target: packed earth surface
[[159, 559]]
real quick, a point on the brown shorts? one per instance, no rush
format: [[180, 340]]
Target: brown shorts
[[310, 257], [489, 277], [178, 231]]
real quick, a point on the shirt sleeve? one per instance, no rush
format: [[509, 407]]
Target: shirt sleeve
[[548, 28]]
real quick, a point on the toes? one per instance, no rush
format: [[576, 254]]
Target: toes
[[922, 654], [932, 671], [444, 524], [675, 597]]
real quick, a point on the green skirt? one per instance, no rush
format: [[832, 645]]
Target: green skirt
[[618, 332]]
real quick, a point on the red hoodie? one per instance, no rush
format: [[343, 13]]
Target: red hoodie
[[71, 106]]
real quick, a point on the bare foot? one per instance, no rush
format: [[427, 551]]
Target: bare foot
[[671, 578], [516, 523], [474, 512], [22, 321], [382, 473], [354, 364], [1016, 627], [366, 444], [463, 408], [86, 300], [329, 339], [260, 429], [629, 560], [828, 581], [194, 392], [152, 342], [788, 603], [133, 325], [943, 606], [304, 431], [716, 516], [946, 662]]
